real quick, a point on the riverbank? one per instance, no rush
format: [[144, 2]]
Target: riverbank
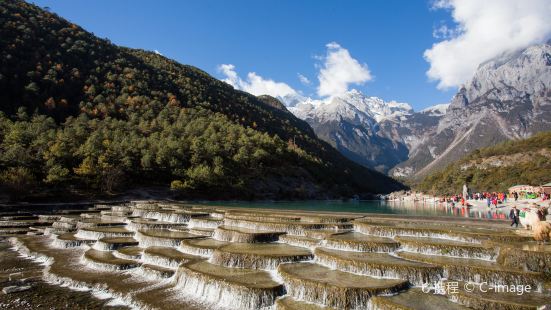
[[472, 207]]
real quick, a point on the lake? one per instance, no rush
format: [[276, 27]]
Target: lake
[[380, 207]]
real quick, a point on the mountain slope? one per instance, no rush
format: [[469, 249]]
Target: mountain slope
[[411, 131], [368, 130], [130, 117], [508, 98], [496, 168]]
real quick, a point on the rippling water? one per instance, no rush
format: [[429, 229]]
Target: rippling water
[[380, 207]]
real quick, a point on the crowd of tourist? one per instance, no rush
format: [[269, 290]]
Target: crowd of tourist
[[493, 199]]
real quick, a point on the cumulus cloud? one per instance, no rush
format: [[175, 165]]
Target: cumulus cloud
[[485, 29], [304, 80], [254, 83], [338, 70], [445, 32]]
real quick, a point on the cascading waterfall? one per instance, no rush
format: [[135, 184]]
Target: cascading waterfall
[[204, 223], [494, 277], [156, 274], [221, 293], [123, 255], [149, 241], [391, 232], [64, 225], [111, 246], [163, 216], [91, 216], [451, 251], [378, 247], [95, 289], [90, 262], [121, 209], [22, 249], [48, 218], [188, 249], [137, 225], [234, 260], [229, 235], [291, 228], [263, 217], [205, 232], [218, 215], [416, 276], [94, 224], [162, 261], [332, 296], [98, 234], [300, 241], [69, 243], [250, 261]]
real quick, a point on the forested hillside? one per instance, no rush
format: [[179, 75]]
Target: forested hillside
[[79, 114], [496, 168]]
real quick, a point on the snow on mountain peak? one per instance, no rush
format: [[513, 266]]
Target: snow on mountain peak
[[527, 71], [353, 106], [436, 110]]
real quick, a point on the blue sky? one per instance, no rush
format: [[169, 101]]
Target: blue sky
[[279, 39]]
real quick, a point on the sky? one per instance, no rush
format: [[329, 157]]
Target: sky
[[417, 51]]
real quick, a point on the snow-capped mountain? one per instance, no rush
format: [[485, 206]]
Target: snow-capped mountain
[[368, 130], [353, 106], [436, 110], [509, 97]]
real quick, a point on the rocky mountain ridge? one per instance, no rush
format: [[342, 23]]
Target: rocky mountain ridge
[[370, 131], [508, 98]]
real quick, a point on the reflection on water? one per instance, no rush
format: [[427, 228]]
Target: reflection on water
[[417, 208]]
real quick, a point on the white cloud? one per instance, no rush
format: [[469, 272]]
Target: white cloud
[[485, 29], [444, 32], [304, 80], [254, 83], [339, 70], [158, 53], [231, 76]]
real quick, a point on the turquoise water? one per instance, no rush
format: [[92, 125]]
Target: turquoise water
[[380, 207]]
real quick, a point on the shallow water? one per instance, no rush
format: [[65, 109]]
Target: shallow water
[[373, 206]]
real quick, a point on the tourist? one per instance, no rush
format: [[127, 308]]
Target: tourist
[[514, 215], [542, 213], [488, 201], [515, 194]]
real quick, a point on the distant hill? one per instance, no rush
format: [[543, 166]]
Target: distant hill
[[495, 168], [79, 114]]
